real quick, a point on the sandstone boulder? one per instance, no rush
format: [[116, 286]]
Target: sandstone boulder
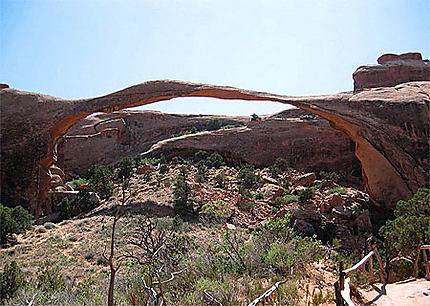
[[271, 191], [389, 57], [393, 70], [305, 180], [306, 215]]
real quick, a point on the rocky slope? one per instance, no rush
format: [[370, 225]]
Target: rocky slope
[[389, 127], [305, 143]]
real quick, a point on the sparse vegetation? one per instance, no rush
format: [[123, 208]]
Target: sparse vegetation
[[305, 195], [331, 176], [11, 280], [339, 190], [279, 166]]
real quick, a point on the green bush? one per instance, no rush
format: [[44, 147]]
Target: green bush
[[288, 198], [279, 166], [339, 190], [164, 169], [124, 170], [215, 160], [213, 124], [305, 195], [410, 227], [277, 249], [77, 182], [331, 176], [200, 156], [101, 181], [50, 278], [255, 117], [219, 180], [83, 202], [247, 179], [182, 204], [13, 221], [218, 207], [11, 280], [201, 171]]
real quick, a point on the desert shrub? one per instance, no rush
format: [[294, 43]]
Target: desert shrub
[[215, 160], [201, 171], [199, 156], [219, 180], [247, 179], [11, 280], [101, 181], [255, 117], [305, 195], [140, 160], [181, 196], [410, 227], [124, 170], [50, 278], [279, 166], [163, 169], [218, 207], [258, 196], [288, 198], [331, 176], [83, 202], [155, 252], [308, 117], [213, 124], [277, 249], [77, 182], [13, 221], [339, 190]]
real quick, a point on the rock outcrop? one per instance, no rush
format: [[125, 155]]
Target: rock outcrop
[[389, 126], [308, 144], [393, 70]]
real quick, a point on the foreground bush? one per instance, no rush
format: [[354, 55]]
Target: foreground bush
[[410, 227], [11, 280], [13, 221]]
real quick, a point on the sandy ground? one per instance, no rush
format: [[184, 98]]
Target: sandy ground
[[406, 293]]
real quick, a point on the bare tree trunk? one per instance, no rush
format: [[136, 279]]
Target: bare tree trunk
[[111, 263]]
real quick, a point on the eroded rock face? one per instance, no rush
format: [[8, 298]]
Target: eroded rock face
[[304, 144], [393, 70], [389, 126], [106, 138]]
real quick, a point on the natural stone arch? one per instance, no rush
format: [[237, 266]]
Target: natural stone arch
[[386, 178]]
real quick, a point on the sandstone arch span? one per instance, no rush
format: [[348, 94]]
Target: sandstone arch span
[[389, 127]]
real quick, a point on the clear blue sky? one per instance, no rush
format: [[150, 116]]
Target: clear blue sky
[[86, 48]]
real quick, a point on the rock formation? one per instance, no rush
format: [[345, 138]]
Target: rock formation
[[389, 126], [393, 70], [309, 144]]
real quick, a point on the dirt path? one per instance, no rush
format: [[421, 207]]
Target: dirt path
[[406, 293]]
